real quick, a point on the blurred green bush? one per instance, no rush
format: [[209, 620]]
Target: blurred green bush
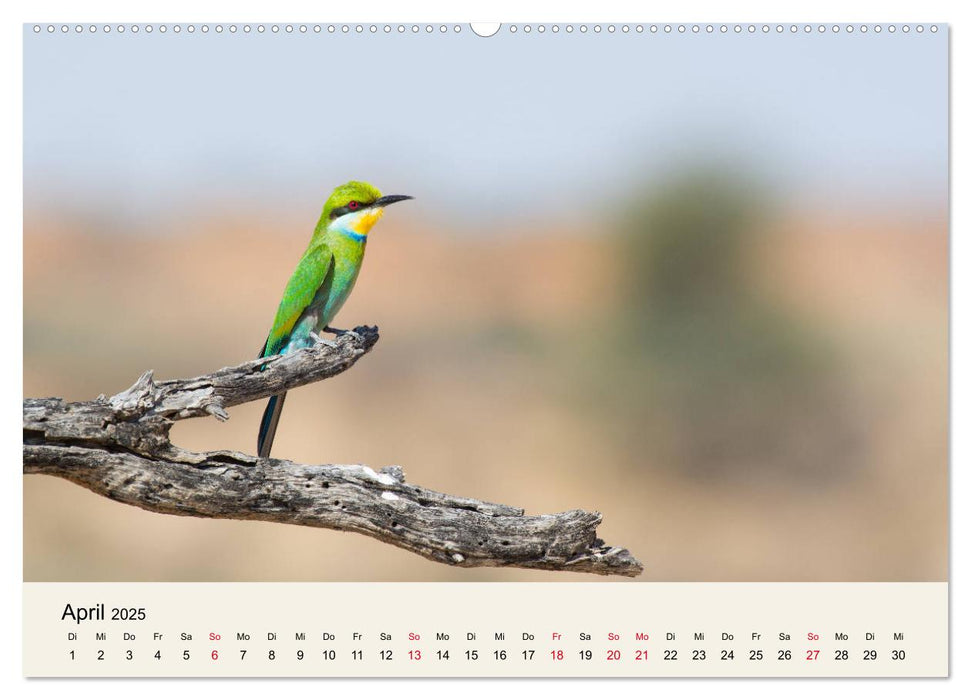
[[716, 379]]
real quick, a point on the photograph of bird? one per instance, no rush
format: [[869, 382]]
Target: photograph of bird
[[322, 281]]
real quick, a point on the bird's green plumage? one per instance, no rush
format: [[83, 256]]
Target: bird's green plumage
[[324, 276], [322, 281], [309, 277]]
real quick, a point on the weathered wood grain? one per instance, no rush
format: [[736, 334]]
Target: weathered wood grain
[[118, 447]]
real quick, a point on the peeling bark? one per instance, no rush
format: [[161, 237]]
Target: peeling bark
[[119, 447]]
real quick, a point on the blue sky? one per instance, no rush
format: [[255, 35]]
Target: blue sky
[[509, 124]]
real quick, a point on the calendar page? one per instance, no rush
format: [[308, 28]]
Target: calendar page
[[609, 349]]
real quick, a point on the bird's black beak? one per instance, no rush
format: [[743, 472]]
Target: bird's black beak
[[390, 199]]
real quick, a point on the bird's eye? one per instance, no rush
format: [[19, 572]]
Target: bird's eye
[[352, 205]]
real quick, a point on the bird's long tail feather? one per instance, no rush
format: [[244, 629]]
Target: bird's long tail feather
[[271, 418]]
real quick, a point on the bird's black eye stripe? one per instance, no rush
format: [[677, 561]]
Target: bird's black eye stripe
[[340, 211]]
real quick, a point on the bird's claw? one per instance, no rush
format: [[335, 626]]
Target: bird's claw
[[340, 331], [323, 341]]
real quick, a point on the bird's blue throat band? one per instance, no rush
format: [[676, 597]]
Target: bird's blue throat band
[[354, 235]]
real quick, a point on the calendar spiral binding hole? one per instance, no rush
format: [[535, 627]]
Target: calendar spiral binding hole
[[529, 29]]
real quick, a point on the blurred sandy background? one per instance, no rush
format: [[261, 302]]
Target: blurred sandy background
[[505, 372], [738, 354]]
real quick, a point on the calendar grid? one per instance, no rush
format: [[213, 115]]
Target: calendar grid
[[481, 629]]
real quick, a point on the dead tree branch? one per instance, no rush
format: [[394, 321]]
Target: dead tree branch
[[119, 447]]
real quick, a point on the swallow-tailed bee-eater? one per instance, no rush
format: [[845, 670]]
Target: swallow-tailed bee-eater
[[322, 282]]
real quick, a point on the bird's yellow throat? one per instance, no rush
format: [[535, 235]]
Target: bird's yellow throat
[[361, 223]]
